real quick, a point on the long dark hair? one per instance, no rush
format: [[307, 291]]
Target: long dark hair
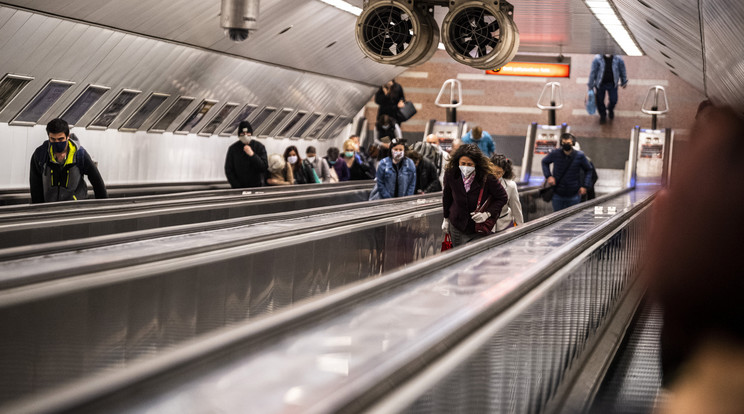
[[505, 164], [299, 159], [482, 163]]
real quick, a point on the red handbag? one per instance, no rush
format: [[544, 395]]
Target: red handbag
[[447, 243], [487, 226]]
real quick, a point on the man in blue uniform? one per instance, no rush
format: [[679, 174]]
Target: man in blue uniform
[[568, 163], [58, 166], [607, 73], [482, 139]]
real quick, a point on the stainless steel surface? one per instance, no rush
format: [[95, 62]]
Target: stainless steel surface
[[633, 384], [31, 228], [103, 320], [630, 171], [79, 258], [529, 150], [196, 23], [526, 354], [322, 366], [131, 194]]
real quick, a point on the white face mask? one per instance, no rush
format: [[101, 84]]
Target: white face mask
[[245, 139], [466, 170], [311, 159], [292, 159], [397, 155]]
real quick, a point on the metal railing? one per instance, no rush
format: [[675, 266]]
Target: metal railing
[[518, 361]]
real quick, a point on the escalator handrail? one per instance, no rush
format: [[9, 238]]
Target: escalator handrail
[[299, 316]]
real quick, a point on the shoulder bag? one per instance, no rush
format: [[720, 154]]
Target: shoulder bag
[[406, 112], [487, 226], [546, 192]]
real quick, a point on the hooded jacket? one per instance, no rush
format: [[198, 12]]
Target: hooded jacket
[[52, 181]]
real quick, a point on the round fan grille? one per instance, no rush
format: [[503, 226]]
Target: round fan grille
[[396, 34], [387, 31], [480, 35], [474, 32]]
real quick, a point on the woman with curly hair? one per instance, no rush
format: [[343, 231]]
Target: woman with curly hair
[[467, 172]]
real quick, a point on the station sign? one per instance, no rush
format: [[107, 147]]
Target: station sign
[[543, 67]]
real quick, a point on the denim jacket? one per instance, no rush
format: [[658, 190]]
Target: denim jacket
[[386, 179], [598, 67]]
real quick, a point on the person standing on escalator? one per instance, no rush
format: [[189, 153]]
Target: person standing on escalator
[[58, 166], [246, 162]]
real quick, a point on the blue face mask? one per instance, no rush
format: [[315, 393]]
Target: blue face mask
[[331, 162], [59, 147]]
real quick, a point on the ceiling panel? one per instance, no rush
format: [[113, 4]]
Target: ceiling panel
[[321, 37]]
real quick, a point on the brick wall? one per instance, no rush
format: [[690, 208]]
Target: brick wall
[[504, 106]]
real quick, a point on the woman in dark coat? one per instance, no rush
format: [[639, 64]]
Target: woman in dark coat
[[466, 173]]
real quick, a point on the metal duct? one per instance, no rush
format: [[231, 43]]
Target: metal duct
[[239, 18], [481, 34], [397, 33]]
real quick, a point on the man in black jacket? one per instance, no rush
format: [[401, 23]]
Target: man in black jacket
[[567, 165], [246, 162], [390, 98], [427, 179], [58, 166]]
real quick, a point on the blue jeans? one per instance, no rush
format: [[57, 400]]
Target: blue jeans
[[561, 202], [612, 92]]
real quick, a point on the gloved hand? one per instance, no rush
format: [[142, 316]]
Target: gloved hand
[[445, 225], [480, 217]]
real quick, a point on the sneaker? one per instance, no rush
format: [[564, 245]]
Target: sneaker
[[611, 114]]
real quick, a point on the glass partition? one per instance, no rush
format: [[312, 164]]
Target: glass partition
[[83, 103], [172, 113], [40, 104], [320, 126], [271, 126], [10, 87], [309, 121], [151, 104], [196, 116], [287, 129], [107, 116], [336, 127], [245, 114], [218, 119]]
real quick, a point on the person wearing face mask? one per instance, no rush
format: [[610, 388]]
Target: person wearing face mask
[[319, 165], [511, 213], [396, 174], [302, 172], [608, 71], [338, 167], [246, 161], [568, 164], [357, 169], [390, 98], [467, 172], [58, 166]]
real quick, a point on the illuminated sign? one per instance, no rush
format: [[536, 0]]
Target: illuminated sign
[[543, 70]]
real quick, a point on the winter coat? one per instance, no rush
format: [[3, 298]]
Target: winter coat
[[458, 204], [243, 171]]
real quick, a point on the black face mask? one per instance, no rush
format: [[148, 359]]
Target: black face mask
[[59, 146], [567, 147]]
